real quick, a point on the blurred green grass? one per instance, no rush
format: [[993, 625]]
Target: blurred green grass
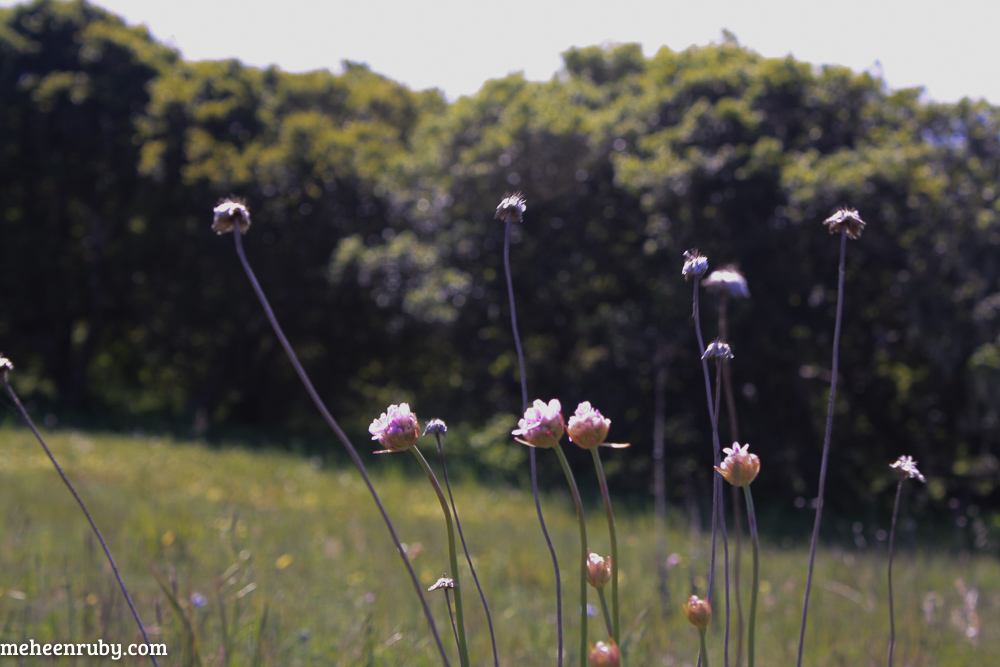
[[273, 559]]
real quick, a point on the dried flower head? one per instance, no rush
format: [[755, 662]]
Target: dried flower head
[[907, 468], [846, 218], [5, 364], [542, 425], [598, 569], [512, 208], [740, 466], [443, 582], [698, 612], [718, 350], [396, 430], [436, 427], [728, 281], [604, 654], [695, 265], [230, 213]]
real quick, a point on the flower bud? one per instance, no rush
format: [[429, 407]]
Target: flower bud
[[396, 430], [598, 570], [542, 425], [604, 654], [231, 213], [740, 466], [436, 427], [698, 612]]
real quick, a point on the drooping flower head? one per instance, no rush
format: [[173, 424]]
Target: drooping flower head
[[740, 466], [718, 350], [728, 281], [695, 264], [846, 218], [511, 208], [396, 430], [604, 654], [598, 569], [542, 425], [231, 213], [907, 468], [698, 612]]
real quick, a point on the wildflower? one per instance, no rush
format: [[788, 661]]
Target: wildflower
[[604, 654], [396, 430], [542, 425], [718, 350], [443, 582], [5, 364], [695, 265], [587, 427], [907, 468], [436, 427], [229, 213], [846, 218], [598, 569], [512, 208], [728, 281], [740, 466], [698, 612]]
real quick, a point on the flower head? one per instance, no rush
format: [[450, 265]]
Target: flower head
[[396, 430], [542, 425], [587, 427], [695, 265], [604, 654], [718, 350], [740, 466], [728, 281], [846, 218], [598, 569], [436, 427], [443, 582], [511, 208], [698, 612], [230, 213], [907, 468], [5, 364]]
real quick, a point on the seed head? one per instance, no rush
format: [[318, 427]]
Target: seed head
[[436, 427], [740, 466], [230, 213], [604, 654], [698, 612], [396, 430], [717, 350], [728, 281], [907, 468], [846, 218], [695, 265], [512, 208], [542, 425], [443, 582], [598, 569]]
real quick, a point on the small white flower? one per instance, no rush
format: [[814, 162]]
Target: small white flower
[[907, 467]]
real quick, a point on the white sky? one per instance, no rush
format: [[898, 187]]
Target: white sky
[[950, 48]]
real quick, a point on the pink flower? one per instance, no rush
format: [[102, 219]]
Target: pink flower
[[698, 612], [604, 654], [396, 430], [598, 569], [588, 428], [542, 425], [740, 466]]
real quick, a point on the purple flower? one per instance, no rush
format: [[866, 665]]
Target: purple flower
[[542, 425], [396, 430]]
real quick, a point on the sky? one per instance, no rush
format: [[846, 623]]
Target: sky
[[948, 48]]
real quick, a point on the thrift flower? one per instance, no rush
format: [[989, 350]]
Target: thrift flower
[[513, 207], [907, 468], [396, 430], [846, 218], [698, 612], [604, 654], [443, 582], [598, 570], [436, 427], [542, 425], [728, 281], [695, 265], [230, 213], [740, 466], [587, 427], [718, 350]]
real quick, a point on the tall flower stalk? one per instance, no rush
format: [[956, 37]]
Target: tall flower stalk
[[511, 210], [906, 468], [5, 367], [847, 223], [232, 215], [699, 614]]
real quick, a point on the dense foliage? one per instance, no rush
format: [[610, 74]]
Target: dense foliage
[[374, 235]]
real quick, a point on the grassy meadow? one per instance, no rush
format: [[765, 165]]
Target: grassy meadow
[[261, 558]]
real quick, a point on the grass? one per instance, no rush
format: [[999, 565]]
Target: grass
[[242, 558]]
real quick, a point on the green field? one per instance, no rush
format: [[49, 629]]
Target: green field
[[295, 567]]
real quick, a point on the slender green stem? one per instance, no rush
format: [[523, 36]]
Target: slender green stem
[[826, 444], [602, 481], [605, 610], [463, 644], [703, 656], [335, 427], [583, 553], [86, 512], [892, 545], [755, 585]]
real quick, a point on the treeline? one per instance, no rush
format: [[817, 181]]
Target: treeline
[[373, 233]]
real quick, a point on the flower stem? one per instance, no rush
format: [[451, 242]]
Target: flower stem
[[602, 481], [703, 656], [604, 609], [826, 443], [755, 584], [463, 644], [465, 548], [892, 544], [332, 423], [86, 512], [531, 450], [583, 552]]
